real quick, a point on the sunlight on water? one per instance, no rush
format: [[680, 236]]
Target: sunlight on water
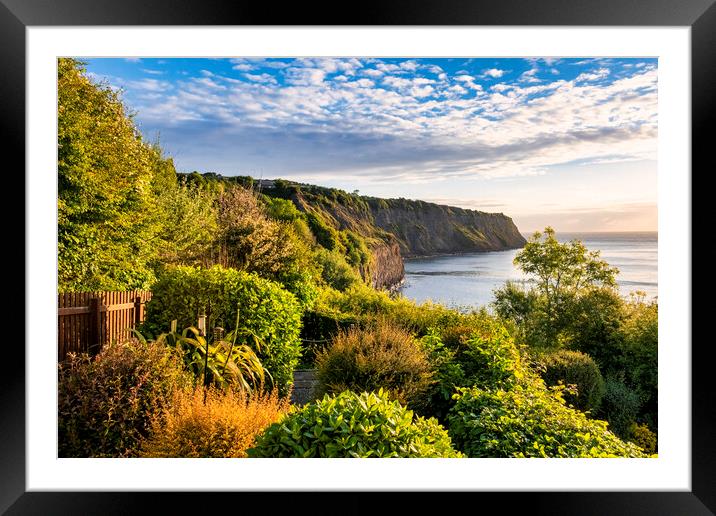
[[468, 280]]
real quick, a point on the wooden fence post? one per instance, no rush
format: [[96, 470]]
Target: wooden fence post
[[137, 312], [95, 325]]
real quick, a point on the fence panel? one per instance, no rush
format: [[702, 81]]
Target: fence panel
[[86, 321]]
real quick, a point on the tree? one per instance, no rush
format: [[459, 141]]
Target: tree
[[107, 180], [562, 273]]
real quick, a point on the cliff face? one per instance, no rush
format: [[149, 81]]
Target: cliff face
[[387, 267], [424, 228]]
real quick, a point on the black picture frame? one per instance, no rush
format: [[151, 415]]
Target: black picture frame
[[700, 15]]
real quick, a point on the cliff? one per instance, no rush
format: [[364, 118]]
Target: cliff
[[424, 228]]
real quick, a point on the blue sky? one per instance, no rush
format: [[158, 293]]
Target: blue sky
[[564, 142]]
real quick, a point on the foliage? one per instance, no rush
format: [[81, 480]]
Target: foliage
[[218, 423], [107, 184], [227, 363], [578, 369], [105, 404], [379, 356], [644, 438], [480, 352], [354, 425], [249, 240], [266, 311], [620, 405], [190, 223], [529, 421], [335, 271], [561, 274]]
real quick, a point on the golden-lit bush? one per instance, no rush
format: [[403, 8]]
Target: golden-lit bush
[[225, 426], [381, 355]]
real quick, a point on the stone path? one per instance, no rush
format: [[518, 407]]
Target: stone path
[[304, 386]]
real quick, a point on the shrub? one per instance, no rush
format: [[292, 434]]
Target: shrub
[[336, 272], [354, 425], [574, 368], [226, 425], [620, 405], [644, 438], [265, 309], [380, 356], [529, 421], [105, 404], [482, 353]]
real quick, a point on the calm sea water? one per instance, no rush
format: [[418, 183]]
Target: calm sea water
[[468, 280]]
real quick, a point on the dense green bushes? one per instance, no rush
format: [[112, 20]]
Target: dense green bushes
[[480, 353], [354, 425], [380, 356], [105, 404], [264, 308], [529, 421], [578, 369]]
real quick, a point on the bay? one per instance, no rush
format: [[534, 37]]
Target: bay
[[468, 280]]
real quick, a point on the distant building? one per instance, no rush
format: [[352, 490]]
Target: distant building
[[265, 183]]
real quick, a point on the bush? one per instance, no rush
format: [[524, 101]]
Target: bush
[[265, 309], [574, 368], [354, 425], [105, 404], [336, 272], [380, 356], [620, 405], [481, 353], [226, 425], [644, 438], [529, 421]]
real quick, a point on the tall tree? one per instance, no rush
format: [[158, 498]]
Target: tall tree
[[107, 182]]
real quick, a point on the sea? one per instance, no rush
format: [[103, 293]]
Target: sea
[[467, 281]]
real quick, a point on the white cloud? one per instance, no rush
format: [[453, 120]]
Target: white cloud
[[593, 76], [495, 73], [264, 77]]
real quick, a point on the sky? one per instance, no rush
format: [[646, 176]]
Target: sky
[[570, 143]]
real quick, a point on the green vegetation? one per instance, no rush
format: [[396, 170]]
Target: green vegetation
[[529, 421], [573, 304], [354, 425], [265, 310], [576, 369]]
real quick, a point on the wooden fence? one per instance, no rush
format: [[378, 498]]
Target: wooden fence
[[88, 320]]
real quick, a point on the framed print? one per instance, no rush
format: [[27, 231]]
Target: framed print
[[637, 78]]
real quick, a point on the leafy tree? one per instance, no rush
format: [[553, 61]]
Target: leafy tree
[[107, 179], [561, 274]]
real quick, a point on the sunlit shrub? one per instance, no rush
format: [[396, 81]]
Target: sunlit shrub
[[529, 421], [105, 404], [379, 356], [354, 425], [481, 354], [225, 425]]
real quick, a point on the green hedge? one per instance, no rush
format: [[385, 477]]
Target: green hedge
[[529, 421], [264, 308], [354, 425]]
